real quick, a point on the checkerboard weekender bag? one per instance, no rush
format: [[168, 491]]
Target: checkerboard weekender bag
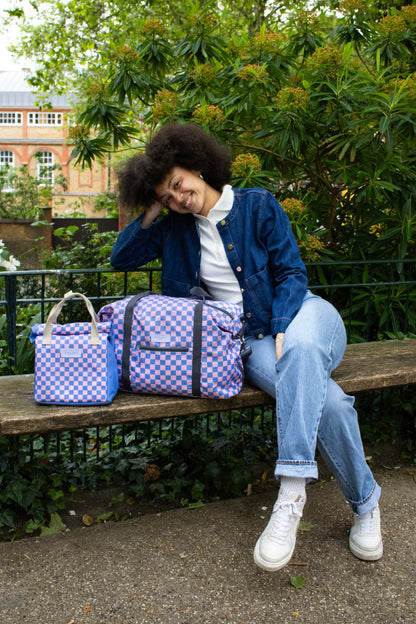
[[177, 346], [75, 364]]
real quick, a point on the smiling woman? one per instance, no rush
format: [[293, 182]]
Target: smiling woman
[[186, 192], [238, 244], [175, 145]]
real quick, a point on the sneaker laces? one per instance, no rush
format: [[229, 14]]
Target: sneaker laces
[[285, 512], [366, 522]]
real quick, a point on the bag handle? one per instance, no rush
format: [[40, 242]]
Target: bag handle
[[54, 313]]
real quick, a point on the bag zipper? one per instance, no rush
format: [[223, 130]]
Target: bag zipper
[[173, 349]]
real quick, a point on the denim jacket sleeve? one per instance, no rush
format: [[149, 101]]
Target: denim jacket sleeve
[[285, 265], [136, 246]]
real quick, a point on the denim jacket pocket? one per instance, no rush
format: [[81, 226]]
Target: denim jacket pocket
[[260, 289]]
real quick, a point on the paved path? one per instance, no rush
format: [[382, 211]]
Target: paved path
[[195, 566]]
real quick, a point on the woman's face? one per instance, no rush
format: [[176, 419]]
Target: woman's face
[[185, 191]]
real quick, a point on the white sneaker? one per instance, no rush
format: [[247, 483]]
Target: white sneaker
[[365, 536], [276, 544]]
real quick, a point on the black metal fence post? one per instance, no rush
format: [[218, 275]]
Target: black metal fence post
[[11, 315]]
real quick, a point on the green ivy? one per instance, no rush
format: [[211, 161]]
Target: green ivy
[[189, 465]]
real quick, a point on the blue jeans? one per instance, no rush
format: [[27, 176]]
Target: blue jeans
[[311, 409]]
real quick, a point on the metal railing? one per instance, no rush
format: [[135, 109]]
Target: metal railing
[[44, 288], [374, 297]]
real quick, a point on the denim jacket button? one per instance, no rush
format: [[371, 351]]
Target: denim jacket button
[[238, 269], [248, 315], [223, 222], [230, 247], [260, 336]]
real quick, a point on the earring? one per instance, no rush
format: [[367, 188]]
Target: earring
[[201, 176]]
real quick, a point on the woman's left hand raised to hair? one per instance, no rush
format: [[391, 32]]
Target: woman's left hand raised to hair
[[152, 213]]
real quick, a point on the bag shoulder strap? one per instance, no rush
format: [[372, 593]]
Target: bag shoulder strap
[[197, 349], [127, 326]]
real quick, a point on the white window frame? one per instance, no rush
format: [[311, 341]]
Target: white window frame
[[6, 158], [11, 118], [6, 162], [45, 119], [46, 161]]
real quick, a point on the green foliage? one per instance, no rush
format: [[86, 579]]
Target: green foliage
[[22, 196], [55, 526], [187, 465], [26, 486], [297, 581], [25, 352], [92, 251], [7, 261], [107, 201], [376, 300], [324, 102], [389, 415]]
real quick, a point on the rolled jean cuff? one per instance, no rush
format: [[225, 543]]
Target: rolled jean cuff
[[368, 503], [293, 468]]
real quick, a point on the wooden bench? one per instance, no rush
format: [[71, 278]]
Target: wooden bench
[[366, 366]]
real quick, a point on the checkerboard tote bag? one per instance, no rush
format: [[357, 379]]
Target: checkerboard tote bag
[[75, 364], [177, 346]]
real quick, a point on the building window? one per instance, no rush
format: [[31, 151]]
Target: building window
[[6, 162], [45, 167], [6, 159], [45, 119], [10, 119]]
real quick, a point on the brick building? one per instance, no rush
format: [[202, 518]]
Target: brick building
[[36, 137]]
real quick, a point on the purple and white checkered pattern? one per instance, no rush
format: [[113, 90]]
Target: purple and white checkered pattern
[[71, 370], [162, 345]]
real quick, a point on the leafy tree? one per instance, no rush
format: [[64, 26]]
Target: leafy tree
[[322, 106]]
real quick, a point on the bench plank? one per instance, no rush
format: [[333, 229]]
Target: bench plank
[[366, 366], [374, 365]]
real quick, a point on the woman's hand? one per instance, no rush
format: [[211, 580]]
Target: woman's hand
[[152, 213], [279, 345]]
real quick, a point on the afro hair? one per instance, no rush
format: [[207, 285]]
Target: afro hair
[[174, 145]]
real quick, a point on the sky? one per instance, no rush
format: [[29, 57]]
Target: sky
[[7, 63]]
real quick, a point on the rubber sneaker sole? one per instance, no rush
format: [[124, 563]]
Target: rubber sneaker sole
[[268, 565], [364, 554]]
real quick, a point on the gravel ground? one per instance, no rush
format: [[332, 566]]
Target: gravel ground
[[195, 566]]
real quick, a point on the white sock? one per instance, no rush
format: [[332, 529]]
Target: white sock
[[288, 485]]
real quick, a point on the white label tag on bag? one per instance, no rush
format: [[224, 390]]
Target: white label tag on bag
[[160, 337], [71, 353]]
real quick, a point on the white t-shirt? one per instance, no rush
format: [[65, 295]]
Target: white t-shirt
[[216, 271]]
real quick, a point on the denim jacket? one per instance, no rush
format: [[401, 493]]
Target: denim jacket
[[260, 247]]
